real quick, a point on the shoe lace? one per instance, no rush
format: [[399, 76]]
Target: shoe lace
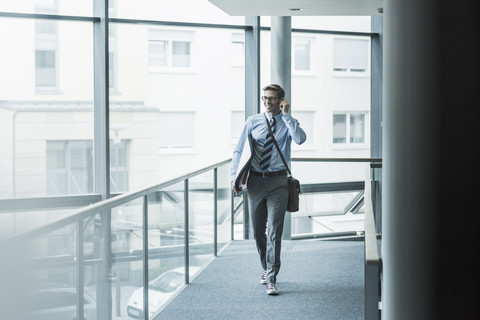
[[264, 274]]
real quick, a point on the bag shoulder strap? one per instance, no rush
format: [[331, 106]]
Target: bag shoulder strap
[[276, 145]]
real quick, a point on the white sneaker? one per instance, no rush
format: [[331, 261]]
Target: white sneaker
[[263, 279], [272, 289]]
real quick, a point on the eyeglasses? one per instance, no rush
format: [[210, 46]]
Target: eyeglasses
[[265, 98]]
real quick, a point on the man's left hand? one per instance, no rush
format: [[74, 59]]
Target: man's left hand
[[284, 106]]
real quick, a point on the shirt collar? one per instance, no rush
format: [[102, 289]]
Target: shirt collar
[[277, 117]]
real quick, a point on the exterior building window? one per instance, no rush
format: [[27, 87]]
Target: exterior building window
[[177, 132], [46, 46], [349, 128], [112, 47], [46, 68], [112, 75], [170, 49], [350, 56], [70, 166], [119, 165], [302, 54], [237, 55]]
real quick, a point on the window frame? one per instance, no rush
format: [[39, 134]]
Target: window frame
[[169, 37], [347, 144], [312, 70], [237, 60]]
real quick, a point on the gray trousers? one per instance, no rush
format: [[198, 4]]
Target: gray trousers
[[267, 201]]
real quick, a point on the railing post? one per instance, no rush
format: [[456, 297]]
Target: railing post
[[215, 211], [187, 234], [232, 215], [246, 217], [80, 270], [145, 258]]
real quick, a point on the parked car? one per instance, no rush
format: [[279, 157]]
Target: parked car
[[160, 290], [59, 304]]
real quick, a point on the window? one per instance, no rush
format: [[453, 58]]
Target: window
[[46, 44], [45, 68], [237, 54], [119, 156], [70, 166], [302, 54], [112, 47], [349, 128], [176, 131], [350, 56], [170, 49]]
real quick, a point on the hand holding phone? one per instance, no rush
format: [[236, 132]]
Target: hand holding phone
[[284, 106]]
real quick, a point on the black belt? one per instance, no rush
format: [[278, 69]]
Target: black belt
[[269, 174]]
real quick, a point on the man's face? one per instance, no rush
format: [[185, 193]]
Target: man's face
[[271, 101]]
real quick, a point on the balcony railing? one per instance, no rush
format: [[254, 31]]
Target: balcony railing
[[131, 253]]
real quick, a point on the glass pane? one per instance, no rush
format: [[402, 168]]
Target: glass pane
[[334, 23], [177, 130], [162, 112], [127, 243], [224, 207], [357, 128], [158, 53], [91, 250], [56, 154], [45, 105], [53, 292], [180, 54], [63, 7], [306, 120], [333, 94], [46, 27], [45, 68], [201, 204], [173, 10], [302, 55], [329, 211], [166, 246], [339, 128], [350, 53]]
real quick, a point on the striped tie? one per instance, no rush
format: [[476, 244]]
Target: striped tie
[[267, 148]]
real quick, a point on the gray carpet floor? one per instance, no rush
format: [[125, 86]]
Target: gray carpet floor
[[318, 280]]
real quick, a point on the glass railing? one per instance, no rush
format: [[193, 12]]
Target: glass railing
[[126, 257], [331, 202], [118, 257]]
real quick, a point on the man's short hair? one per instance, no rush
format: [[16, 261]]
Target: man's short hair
[[275, 87]]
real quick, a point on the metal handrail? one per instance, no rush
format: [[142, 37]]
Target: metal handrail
[[105, 205], [374, 160]]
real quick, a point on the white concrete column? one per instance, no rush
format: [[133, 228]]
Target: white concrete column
[[281, 64]]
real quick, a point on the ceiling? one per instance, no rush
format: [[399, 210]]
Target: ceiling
[[308, 7]]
